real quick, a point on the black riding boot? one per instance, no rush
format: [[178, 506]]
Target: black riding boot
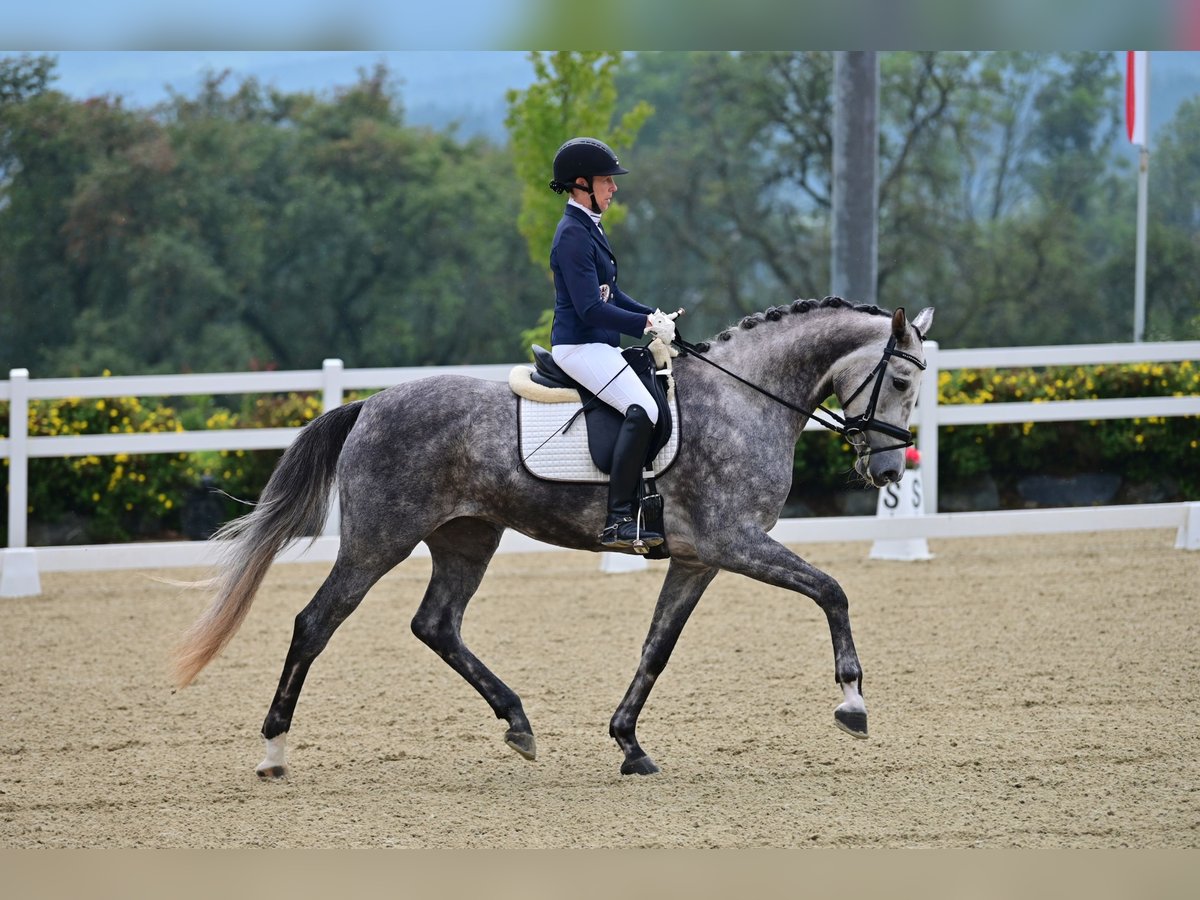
[[621, 530]]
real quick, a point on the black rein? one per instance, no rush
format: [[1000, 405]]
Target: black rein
[[848, 427]]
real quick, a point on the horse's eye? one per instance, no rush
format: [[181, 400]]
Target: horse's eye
[[901, 384]]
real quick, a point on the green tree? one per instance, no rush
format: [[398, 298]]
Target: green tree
[[575, 94], [48, 144], [242, 226], [1000, 198], [1173, 241], [728, 212], [25, 76]]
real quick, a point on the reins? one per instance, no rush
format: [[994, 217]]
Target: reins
[[848, 427]]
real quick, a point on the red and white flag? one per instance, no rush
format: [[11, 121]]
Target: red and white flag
[[1137, 95]]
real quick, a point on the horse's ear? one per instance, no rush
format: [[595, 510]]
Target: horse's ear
[[924, 321], [899, 323]]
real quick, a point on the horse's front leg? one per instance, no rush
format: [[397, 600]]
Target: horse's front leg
[[754, 554], [680, 592]]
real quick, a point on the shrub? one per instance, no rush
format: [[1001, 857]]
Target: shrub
[[121, 495], [1153, 449]]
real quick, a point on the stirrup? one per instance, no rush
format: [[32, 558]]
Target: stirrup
[[626, 534]]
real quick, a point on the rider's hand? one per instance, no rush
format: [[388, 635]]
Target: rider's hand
[[662, 325]]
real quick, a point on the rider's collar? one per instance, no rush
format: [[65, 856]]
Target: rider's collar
[[594, 216]]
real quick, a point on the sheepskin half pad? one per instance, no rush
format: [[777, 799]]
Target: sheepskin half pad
[[553, 456]]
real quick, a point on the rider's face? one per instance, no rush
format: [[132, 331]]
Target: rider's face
[[603, 186]]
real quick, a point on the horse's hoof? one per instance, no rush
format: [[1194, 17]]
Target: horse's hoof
[[271, 772], [851, 722], [522, 742], [643, 765]]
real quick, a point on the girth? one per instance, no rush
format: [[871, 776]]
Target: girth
[[603, 422]]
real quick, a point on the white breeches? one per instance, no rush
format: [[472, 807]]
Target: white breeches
[[595, 365]]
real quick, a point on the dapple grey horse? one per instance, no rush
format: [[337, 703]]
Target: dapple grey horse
[[437, 461]]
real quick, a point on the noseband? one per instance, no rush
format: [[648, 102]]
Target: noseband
[[849, 427], [853, 426]]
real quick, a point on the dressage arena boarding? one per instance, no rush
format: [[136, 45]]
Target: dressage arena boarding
[[1024, 691]]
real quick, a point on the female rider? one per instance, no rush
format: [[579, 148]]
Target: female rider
[[590, 315]]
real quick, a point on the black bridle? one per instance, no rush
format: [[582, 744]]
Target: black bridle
[[850, 427]]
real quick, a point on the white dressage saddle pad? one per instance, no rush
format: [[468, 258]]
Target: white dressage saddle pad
[[551, 455]]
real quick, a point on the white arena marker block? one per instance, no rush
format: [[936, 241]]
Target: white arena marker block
[[614, 563], [1188, 536], [19, 573], [900, 501]]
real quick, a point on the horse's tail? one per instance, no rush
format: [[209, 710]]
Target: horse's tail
[[293, 504]]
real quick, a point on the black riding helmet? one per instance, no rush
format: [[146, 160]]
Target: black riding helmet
[[584, 157]]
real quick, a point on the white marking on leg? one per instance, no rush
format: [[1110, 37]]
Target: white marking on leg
[[853, 701], [276, 753]]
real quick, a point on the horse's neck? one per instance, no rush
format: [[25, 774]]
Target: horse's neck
[[795, 357]]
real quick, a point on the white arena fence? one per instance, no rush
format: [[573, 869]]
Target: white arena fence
[[20, 564]]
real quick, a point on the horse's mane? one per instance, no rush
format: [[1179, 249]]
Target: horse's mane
[[775, 313]]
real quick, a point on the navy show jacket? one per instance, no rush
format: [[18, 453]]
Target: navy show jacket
[[582, 261]]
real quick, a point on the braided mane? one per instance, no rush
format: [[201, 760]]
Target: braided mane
[[775, 313]]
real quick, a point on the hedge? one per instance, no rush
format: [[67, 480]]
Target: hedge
[[123, 497], [1153, 450]]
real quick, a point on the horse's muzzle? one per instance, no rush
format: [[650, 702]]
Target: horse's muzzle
[[881, 467]]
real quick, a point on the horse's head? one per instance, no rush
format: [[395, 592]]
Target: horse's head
[[877, 388]]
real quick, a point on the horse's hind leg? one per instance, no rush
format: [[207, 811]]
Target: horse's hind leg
[[339, 596], [461, 550]]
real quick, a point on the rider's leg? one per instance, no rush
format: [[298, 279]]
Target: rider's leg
[[602, 370], [621, 528]]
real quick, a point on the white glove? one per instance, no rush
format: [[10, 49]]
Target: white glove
[[662, 325]]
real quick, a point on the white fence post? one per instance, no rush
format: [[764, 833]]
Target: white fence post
[[1188, 535], [615, 563], [927, 427], [19, 576], [333, 375]]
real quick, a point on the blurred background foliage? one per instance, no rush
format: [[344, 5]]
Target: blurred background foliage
[[246, 227]]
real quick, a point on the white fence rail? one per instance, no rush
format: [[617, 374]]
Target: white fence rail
[[20, 563]]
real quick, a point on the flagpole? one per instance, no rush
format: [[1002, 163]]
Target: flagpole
[[1137, 116], [1139, 290]]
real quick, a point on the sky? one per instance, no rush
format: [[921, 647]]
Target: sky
[[436, 86], [143, 76]]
